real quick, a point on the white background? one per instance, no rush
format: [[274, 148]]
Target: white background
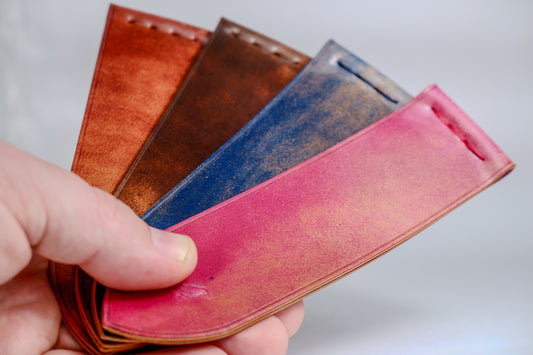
[[463, 286]]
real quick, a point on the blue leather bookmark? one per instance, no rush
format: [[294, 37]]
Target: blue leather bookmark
[[334, 96]]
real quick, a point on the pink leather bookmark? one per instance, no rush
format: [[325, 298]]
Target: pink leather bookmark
[[274, 244]]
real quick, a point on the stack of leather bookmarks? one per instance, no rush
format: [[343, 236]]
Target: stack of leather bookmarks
[[224, 79], [143, 60], [288, 173]]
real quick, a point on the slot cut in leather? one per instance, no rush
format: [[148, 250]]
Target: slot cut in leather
[[346, 67], [457, 133]]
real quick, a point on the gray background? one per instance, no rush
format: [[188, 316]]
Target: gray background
[[463, 286]]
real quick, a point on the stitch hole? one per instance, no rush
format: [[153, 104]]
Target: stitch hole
[[275, 51], [152, 27], [177, 34], [131, 21]]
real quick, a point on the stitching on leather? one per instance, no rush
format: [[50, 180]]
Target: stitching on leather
[[168, 30], [455, 131], [366, 81], [259, 42]]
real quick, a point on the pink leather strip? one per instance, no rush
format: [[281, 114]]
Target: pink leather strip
[[276, 243]]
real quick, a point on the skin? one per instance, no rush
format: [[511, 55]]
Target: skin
[[47, 213]]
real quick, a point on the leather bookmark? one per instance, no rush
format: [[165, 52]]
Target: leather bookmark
[[86, 301], [268, 247], [142, 61], [239, 72], [334, 96]]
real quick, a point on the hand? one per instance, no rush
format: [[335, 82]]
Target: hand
[[47, 213]]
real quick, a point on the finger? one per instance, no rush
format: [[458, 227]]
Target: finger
[[66, 341], [206, 349], [14, 256], [62, 218], [267, 337], [292, 317], [64, 352], [28, 311]]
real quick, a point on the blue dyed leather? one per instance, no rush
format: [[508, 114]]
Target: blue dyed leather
[[336, 95]]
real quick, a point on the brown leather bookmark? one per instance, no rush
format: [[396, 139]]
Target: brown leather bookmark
[[142, 61], [239, 72]]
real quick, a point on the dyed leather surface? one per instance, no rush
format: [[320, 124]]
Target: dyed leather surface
[[262, 250], [142, 61], [237, 75], [334, 96]]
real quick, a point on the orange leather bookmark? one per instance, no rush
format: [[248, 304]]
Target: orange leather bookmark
[[142, 62]]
